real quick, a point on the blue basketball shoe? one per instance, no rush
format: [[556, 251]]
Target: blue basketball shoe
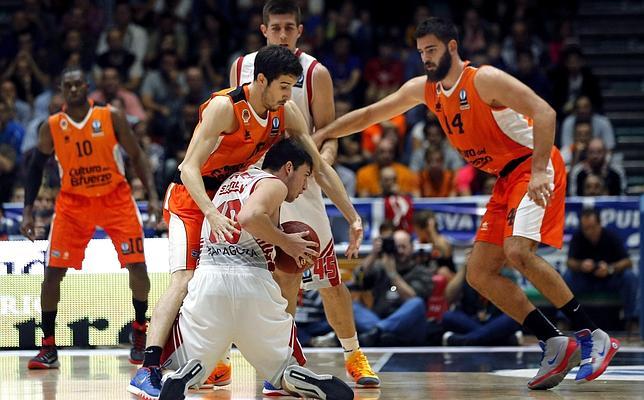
[[597, 350], [146, 384]]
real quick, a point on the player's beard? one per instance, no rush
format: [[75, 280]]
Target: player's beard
[[442, 69]]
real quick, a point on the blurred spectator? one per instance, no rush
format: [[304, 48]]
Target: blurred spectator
[[155, 154], [8, 162], [198, 91], [475, 33], [594, 186], [395, 127], [493, 57], [161, 93], [471, 181], [597, 163], [427, 232], [521, 39], [20, 109], [168, 35], [350, 154], [253, 41], [429, 134], [211, 64], [563, 35], [29, 80], [8, 226], [384, 73], [600, 125], [73, 43], [574, 153], [399, 208], [311, 320], [572, 79], [116, 56], [435, 179], [599, 262], [134, 37], [11, 132], [345, 70], [475, 321], [111, 89], [368, 177], [30, 139], [398, 288], [530, 74]]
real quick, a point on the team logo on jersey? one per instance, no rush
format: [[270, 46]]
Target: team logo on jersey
[[300, 82], [64, 124], [245, 116], [464, 105], [438, 107], [66, 139], [125, 248], [55, 253], [194, 253], [97, 128], [275, 126]]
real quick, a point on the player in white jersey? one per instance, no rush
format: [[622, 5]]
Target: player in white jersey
[[233, 298], [313, 94]]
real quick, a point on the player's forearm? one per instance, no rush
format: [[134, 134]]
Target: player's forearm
[[260, 226], [544, 135], [352, 122], [332, 186], [192, 180], [329, 151]]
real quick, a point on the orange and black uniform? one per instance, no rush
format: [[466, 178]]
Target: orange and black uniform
[[235, 151], [499, 141], [94, 191]]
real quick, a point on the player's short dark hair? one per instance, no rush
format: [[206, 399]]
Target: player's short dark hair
[[443, 29], [274, 61], [281, 7], [71, 69], [286, 150]]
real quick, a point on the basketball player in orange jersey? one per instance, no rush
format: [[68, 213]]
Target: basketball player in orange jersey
[[313, 94], [87, 139], [502, 127], [236, 128]]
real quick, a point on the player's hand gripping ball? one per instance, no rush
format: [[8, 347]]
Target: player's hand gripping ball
[[288, 264]]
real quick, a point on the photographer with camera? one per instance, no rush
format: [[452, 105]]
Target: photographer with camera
[[393, 289]]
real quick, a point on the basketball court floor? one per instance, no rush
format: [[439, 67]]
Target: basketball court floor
[[407, 374]]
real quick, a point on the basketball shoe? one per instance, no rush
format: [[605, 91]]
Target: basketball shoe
[[47, 358], [597, 350], [137, 338], [560, 355], [146, 384], [309, 385], [175, 386], [271, 391], [221, 375], [359, 369]]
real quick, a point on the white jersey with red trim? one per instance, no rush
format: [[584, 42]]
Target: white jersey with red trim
[[243, 249], [303, 89]]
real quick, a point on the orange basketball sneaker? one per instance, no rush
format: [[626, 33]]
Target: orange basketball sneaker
[[220, 376], [359, 369]]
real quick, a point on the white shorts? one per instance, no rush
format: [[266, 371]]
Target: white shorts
[[309, 208], [240, 305]]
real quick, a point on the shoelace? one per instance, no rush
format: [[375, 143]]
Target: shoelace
[[45, 352], [362, 364], [155, 377], [139, 339]]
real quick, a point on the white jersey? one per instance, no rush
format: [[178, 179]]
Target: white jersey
[[309, 206], [243, 249]]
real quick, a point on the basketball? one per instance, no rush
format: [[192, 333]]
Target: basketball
[[283, 261]]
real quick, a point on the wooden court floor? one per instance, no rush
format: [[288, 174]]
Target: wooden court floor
[[407, 374]]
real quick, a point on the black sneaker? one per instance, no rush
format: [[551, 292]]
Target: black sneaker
[[137, 338], [175, 386], [47, 358], [309, 385]]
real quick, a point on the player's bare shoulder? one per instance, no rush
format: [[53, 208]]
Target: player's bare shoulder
[[415, 88]]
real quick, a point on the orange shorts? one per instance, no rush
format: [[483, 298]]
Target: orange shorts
[[184, 219], [76, 218], [511, 213]]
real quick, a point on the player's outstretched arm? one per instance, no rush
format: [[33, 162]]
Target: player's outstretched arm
[[323, 109], [44, 150], [255, 218], [140, 162], [297, 129], [409, 95], [217, 117], [498, 88]]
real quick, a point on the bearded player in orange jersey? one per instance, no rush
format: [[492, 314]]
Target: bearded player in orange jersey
[[87, 138], [502, 127]]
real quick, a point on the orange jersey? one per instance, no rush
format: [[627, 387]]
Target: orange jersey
[[485, 136], [87, 152], [239, 150]]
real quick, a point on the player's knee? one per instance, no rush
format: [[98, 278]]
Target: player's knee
[[53, 276], [474, 275], [516, 253], [332, 291], [179, 279]]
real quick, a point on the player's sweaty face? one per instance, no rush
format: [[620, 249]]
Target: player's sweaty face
[[282, 30], [278, 92], [435, 57], [297, 182], [74, 88]]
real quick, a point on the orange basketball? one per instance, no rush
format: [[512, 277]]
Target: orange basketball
[[286, 263]]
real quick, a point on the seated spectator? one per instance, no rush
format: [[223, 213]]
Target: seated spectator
[[597, 163], [600, 125], [475, 34], [572, 79], [521, 39], [435, 179], [471, 181], [397, 290], [345, 69], [384, 73], [116, 56], [399, 208], [368, 177], [599, 262], [594, 186], [528, 72], [11, 136], [21, 110], [30, 140], [426, 134], [27, 77], [111, 88], [442, 251], [474, 321], [397, 127], [350, 153], [574, 153]]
